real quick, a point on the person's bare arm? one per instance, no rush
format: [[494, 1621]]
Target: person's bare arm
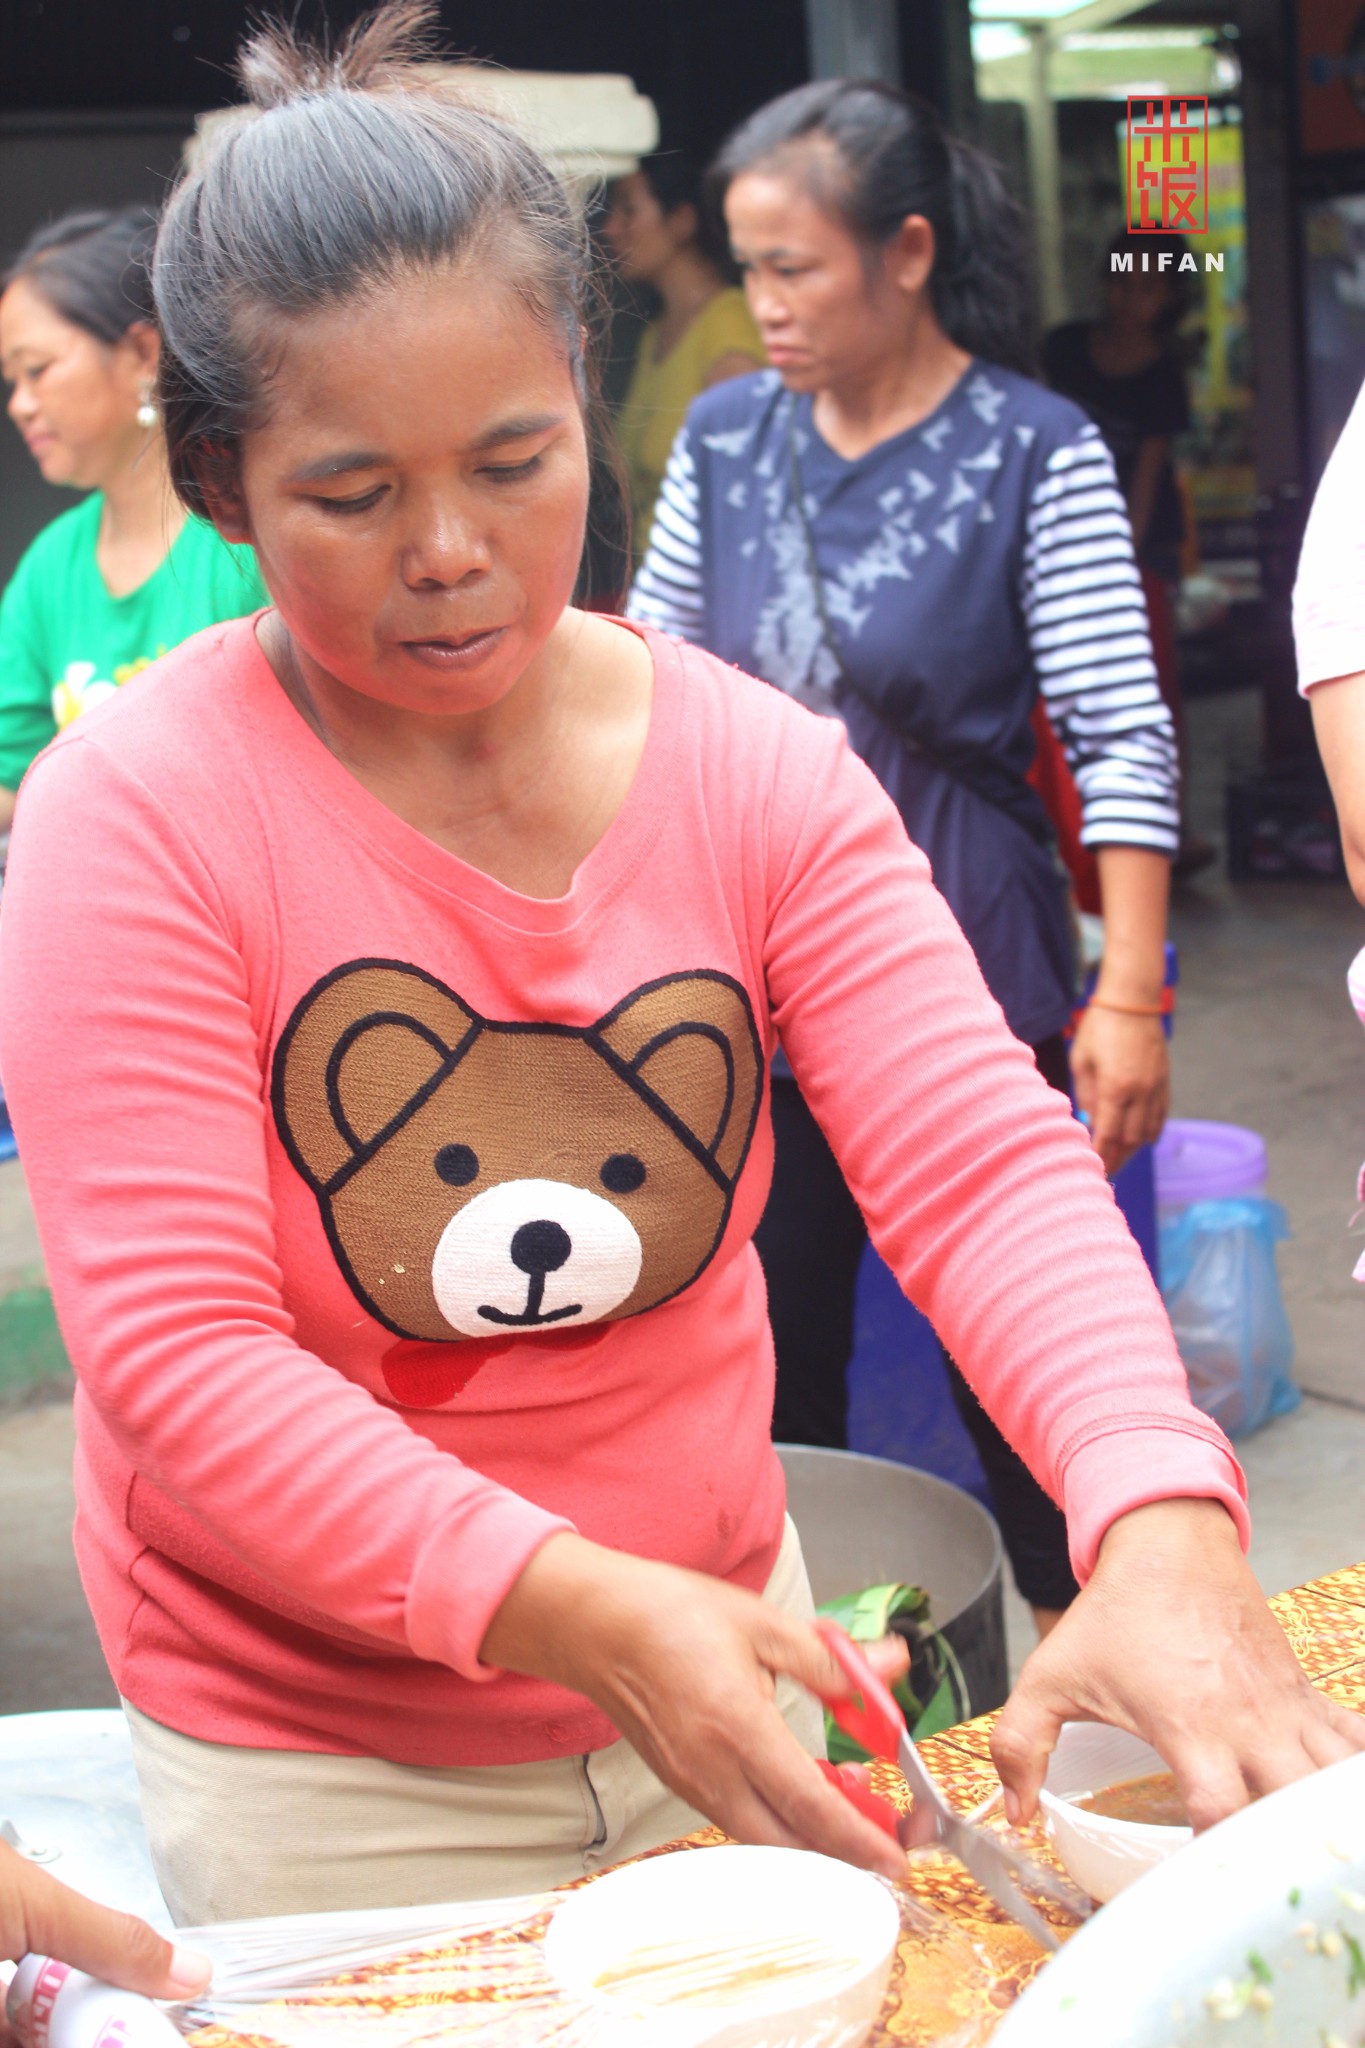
[[1152, 456], [39, 1916], [1120, 1062], [1339, 725], [8, 799]]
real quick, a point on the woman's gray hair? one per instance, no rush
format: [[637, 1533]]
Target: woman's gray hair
[[357, 172]]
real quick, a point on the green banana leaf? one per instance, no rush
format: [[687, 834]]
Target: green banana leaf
[[933, 1694]]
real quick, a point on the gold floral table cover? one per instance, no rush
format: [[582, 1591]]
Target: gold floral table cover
[[961, 1961]]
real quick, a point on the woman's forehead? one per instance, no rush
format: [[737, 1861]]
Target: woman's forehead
[[786, 194], [28, 319], [429, 358]]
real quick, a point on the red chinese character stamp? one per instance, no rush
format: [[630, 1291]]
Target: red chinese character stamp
[[1168, 165]]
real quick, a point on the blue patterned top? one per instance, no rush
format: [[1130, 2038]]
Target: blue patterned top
[[967, 564]]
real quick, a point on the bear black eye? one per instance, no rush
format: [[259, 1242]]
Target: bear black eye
[[457, 1164], [623, 1173]]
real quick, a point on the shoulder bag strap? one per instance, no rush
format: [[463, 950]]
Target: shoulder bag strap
[[970, 770]]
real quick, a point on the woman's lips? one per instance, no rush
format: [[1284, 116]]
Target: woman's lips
[[446, 654]]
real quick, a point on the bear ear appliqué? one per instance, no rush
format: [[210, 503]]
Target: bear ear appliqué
[[361, 1047], [691, 1041]]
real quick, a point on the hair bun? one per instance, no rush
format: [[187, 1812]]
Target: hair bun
[[382, 51]]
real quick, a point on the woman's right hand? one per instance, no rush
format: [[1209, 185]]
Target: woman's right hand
[[686, 1667]]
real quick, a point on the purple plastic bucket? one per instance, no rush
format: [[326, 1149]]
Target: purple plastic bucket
[[1207, 1162]]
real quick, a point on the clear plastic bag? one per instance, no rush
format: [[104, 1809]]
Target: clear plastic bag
[[1222, 1293], [493, 1976], [441, 1977]]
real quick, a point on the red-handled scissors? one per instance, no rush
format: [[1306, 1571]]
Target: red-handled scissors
[[874, 1720]]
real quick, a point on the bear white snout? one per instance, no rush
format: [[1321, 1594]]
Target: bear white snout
[[533, 1255]]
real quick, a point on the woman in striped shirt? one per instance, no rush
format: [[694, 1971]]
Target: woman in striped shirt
[[896, 526]]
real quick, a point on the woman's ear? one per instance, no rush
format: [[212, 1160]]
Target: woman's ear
[[143, 344], [684, 223], [218, 476], [910, 254]]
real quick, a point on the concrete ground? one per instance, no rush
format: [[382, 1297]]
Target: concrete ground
[[49, 1653], [1264, 1037]]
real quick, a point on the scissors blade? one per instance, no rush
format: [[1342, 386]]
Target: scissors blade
[[990, 1865], [922, 1782], [996, 1868], [875, 1719]]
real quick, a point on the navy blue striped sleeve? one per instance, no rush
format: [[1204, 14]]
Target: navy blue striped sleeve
[[1092, 651], [667, 591]]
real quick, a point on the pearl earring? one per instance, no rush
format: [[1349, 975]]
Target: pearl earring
[[147, 414]]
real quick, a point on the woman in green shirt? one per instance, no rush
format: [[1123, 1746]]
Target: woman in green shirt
[[126, 574]]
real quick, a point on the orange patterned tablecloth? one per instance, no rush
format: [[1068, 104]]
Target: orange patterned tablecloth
[[964, 1963]]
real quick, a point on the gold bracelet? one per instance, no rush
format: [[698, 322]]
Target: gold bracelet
[[1128, 1009]]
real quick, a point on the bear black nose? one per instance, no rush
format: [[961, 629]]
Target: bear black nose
[[541, 1247]]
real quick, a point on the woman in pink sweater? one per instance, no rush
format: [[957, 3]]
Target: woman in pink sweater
[[391, 1083]]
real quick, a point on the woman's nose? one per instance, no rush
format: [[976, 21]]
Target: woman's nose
[[22, 405], [445, 553], [766, 304]]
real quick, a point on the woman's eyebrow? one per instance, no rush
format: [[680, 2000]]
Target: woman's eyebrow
[[327, 466], [518, 429]]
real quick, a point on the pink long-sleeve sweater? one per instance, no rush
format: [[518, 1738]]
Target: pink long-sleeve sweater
[[397, 1221]]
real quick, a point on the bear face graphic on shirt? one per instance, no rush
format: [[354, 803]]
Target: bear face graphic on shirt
[[480, 1179]]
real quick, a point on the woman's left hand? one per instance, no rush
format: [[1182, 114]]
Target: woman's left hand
[[1121, 1072], [40, 1916], [1172, 1639]]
